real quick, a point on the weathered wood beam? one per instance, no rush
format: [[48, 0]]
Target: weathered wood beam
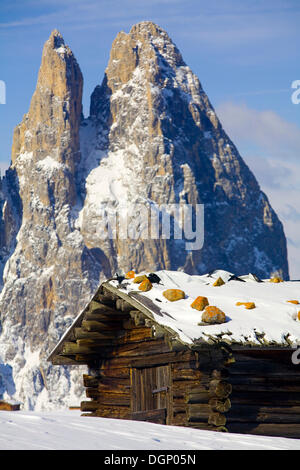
[[197, 396], [223, 406], [219, 388], [122, 305], [97, 307], [89, 405], [81, 333], [70, 348], [107, 411], [187, 374], [91, 325], [114, 399], [246, 415], [265, 398], [147, 360], [266, 429], [137, 317], [105, 317], [105, 299], [217, 419]]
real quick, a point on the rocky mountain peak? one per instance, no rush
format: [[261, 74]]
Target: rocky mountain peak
[[41, 194], [147, 47], [55, 110], [157, 127]]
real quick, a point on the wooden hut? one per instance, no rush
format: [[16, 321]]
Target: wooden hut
[[143, 364]]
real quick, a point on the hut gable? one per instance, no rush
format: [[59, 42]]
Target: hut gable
[[153, 358]]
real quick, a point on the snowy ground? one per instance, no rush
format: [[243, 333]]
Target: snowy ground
[[67, 430]]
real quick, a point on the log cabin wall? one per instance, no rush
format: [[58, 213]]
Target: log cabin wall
[[265, 395], [201, 392], [134, 344], [138, 370], [140, 376]]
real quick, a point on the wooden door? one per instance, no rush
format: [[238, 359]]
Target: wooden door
[[151, 394]]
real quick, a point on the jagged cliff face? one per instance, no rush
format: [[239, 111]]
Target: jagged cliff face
[[47, 278], [152, 138], [158, 138]]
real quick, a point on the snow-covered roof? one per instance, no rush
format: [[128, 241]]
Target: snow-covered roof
[[273, 321]]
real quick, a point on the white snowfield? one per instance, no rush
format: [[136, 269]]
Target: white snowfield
[[273, 322], [67, 430]]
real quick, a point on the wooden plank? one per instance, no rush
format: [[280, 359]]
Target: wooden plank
[[179, 408], [258, 366], [197, 397], [117, 412], [95, 343], [122, 305], [81, 333], [187, 374], [188, 385], [265, 398], [97, 307], [198, 412], [220, 388], [116, 337], [114, 399], [263, 414], [153, 416], [280, 430], [109, 350], [136, 335], [92, 392], [88, 405], [105, 316], [114, 385], [91, 325], [217, 419], [106, 300], [148, 360], [266, 387], [142, 348], [216, 404], [280, 379], [90, 381], [60, 360], [120, 372], [204, 413], [179, 419], [133, 382]]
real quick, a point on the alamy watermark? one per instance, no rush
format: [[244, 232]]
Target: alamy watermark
[[137, 221], [296, 357], [296, 94], [2, 92]]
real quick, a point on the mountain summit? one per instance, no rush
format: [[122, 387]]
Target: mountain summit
[[157, 138], [152, 140]]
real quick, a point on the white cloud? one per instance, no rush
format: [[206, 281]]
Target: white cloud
[[3, 167], [271, 147], [279, 138]]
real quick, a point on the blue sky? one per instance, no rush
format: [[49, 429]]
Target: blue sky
[[245, 53]]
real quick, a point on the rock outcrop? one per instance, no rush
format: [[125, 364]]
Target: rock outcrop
[[152, 140], [48, 275], [158, 141]]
